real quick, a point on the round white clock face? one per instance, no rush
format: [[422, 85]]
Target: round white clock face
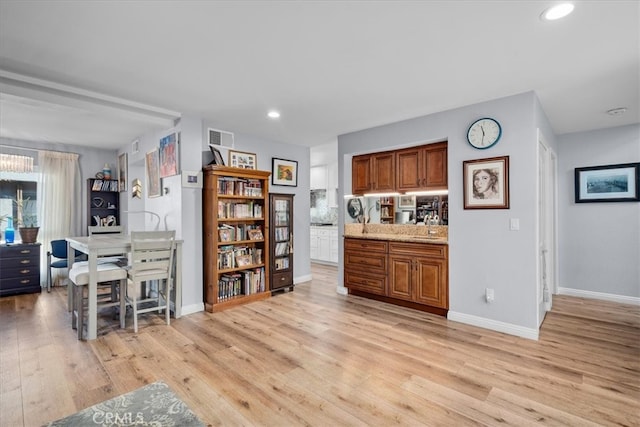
[[484, 133]]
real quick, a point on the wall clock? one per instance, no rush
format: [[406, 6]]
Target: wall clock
[[484, 133]]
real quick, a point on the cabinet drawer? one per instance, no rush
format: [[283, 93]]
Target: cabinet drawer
[[365, 261], [28, 261], [24, 271], [281, 280], [19, 251], [372, 283], [419, 249], [20, 282], [365, 245]]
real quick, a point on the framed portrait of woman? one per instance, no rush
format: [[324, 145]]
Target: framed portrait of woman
[[486, 183]]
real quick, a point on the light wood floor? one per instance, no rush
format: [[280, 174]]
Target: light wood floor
[[312, 357]]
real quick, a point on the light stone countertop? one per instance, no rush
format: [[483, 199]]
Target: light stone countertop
[[398, 233]]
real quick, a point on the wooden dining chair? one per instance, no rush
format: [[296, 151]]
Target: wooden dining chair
[[152, 255]]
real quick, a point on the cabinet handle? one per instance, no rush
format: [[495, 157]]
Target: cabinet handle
[[24, 261], [25, 281], [24, 271], [25, 251]]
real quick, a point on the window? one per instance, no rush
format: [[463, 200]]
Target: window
[[25, 188]]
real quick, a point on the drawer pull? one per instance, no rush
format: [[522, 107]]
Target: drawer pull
[[25, 261], [24, 271], [25, 251], [25, 281]]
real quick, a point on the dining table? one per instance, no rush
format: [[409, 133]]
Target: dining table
[[101, 245]]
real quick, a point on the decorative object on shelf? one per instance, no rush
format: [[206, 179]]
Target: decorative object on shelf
[[284, 172], [242, 160], [484, 133], [122, 172], [609, 183], [408, 202], [136, 189], [354, 207], [97, 202], [9, 232], [217, 156], [486, 183], [169, 155], [152, 163], [29, 234], [106, 171]]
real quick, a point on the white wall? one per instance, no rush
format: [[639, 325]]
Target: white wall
[[483, 252], [599, 242]]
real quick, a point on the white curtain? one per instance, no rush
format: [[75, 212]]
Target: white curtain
[[60, 202]]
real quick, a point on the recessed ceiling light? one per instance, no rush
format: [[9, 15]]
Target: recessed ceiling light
[[273, 114], [617, 111], [556, 12]]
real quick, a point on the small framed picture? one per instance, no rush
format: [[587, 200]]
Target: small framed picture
[[217, 156], [242, 160], [255, 234], [610, 183], [486, 183], [154, 184], [284, 172], [225, 234], [243, 260], [169, 155], [407, 202]]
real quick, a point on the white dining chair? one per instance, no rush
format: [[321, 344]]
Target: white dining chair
[[152, 255]]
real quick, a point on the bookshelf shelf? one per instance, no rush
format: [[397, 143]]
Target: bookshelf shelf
[[236, 236]]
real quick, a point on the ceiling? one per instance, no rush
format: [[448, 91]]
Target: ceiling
[[102, 73]]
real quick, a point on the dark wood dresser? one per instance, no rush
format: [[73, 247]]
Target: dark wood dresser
[[19, 269]]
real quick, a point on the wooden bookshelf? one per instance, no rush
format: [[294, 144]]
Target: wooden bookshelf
[[236, 236]]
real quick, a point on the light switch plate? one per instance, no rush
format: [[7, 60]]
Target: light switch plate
[[514, 224]]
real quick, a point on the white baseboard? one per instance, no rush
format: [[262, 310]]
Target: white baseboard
[[494, 325], [302, 279], [193, 308], [341, 290], [599, 295]]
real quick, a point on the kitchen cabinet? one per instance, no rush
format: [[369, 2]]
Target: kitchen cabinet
[[403, 273], [422, 168], [236, 256], [323, 243], [318, 178], [373, 173]]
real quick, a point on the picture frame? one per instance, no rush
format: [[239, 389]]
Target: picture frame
[[608, 183], [122, 172], [243, 260], [284, 172], [255, 234], [486, 183], [217, 156], [407, 202], [169, 151], [242, 160], [152, 167], [225, 234]]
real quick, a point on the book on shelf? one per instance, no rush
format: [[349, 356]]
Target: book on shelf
[[282, 248], [282, 263]]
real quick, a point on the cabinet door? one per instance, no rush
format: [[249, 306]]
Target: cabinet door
[[383, 167], [408, 169], [435, 166], [361, 174], [324, 248], [400, 277], [430, 282]]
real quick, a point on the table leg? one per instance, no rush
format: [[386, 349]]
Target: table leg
[[92, 317]]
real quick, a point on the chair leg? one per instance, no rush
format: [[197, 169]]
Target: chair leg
[[71, 289], [167, 299], [48, 272], [79, 303], [134, 306], [123, 302]]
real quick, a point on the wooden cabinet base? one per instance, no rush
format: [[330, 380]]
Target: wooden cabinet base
[[403, 303], [235, 301]]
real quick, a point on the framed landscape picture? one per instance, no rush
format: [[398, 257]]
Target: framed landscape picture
[[284, 172], [610, 183]]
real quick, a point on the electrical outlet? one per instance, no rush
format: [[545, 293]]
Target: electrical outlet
[[489, 295]]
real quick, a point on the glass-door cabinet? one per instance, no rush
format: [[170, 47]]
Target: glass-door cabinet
[[281, 241]]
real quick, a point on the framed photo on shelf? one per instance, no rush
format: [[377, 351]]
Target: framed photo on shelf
[[217, 156], [486, 183], [284, 172], [610, 183], [255, 234], [225, 234], [122, 172], [407, 202], [242, 160], [169, 155], [152, 164], [243, 260]]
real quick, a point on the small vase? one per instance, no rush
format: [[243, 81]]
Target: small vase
[[9, 232]]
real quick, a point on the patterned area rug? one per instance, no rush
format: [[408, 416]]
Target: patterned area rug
[[154, 405]]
